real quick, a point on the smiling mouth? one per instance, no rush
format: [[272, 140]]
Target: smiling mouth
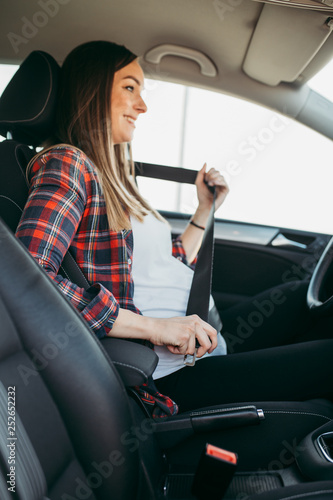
[[130, 120]]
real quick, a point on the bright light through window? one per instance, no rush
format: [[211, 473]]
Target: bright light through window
[[6, 73], [323, 81], [271, 163], [280, 172]]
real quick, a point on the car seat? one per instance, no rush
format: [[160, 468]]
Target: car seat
[[79, 434]]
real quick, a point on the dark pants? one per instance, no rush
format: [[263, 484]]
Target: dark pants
[[273, 355]]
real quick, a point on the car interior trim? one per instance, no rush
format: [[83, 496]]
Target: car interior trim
[[278, 52], [317, 112]]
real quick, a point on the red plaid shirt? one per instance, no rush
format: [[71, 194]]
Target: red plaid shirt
[[66, 209]]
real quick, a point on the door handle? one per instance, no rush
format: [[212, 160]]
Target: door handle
[[281, 241]]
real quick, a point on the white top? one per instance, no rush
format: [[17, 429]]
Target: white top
[[162, 284]]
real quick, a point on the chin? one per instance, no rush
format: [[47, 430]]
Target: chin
[[123, 140]]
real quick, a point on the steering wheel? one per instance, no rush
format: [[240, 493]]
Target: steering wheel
[[317, 282]]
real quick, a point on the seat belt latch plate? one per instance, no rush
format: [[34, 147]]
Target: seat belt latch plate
[[189, 360]]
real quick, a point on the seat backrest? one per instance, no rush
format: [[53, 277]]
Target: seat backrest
[[14, 186], [74, 425], [27, 117], [27, 113]]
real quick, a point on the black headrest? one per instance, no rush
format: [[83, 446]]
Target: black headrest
[[28, 103]]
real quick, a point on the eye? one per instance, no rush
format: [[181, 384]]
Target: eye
[[130, 88]]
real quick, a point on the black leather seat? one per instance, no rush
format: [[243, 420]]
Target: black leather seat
[[79, 434], [27, 110], [81, 431]]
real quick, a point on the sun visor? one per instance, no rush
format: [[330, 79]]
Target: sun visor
[[284, 42]]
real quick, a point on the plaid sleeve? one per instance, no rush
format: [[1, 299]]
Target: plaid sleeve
[[48, 225], [158, 405], [179, 253]]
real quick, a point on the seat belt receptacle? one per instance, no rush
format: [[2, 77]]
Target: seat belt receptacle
[[214, 473]]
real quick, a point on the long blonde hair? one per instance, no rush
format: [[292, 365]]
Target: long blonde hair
[[84, 121]]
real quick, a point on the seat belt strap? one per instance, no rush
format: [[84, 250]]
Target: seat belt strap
[[198, 301], [202, 278], [73, 272], [199, 297]]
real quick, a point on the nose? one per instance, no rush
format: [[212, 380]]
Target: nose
[[141, 106]]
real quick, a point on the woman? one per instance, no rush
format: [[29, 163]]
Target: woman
[[83, 197]]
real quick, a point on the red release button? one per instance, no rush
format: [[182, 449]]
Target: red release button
[[216, 452]]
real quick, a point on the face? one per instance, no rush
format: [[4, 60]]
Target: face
[[126, 101]]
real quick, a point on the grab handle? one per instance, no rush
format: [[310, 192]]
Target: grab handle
[[155, 55]]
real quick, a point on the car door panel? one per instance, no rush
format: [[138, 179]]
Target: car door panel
[[243, 269], [249, 258]]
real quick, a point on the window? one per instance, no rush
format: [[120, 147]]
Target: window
[[322, 82], [280, 172], [6, 73]]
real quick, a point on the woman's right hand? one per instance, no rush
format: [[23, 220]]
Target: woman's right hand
[[179, 334]]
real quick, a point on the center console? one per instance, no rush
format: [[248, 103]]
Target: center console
[[315, 457]]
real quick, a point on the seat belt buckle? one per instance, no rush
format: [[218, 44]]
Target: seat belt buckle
[[214, 473]]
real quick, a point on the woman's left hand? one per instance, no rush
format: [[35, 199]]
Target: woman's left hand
[[211, 178], [192, 236]]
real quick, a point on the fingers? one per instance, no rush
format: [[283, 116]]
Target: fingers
[[185, 347], [204, 334], [207, 338], [180, 335], [214, 178], [201, 174], [191, 346]]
